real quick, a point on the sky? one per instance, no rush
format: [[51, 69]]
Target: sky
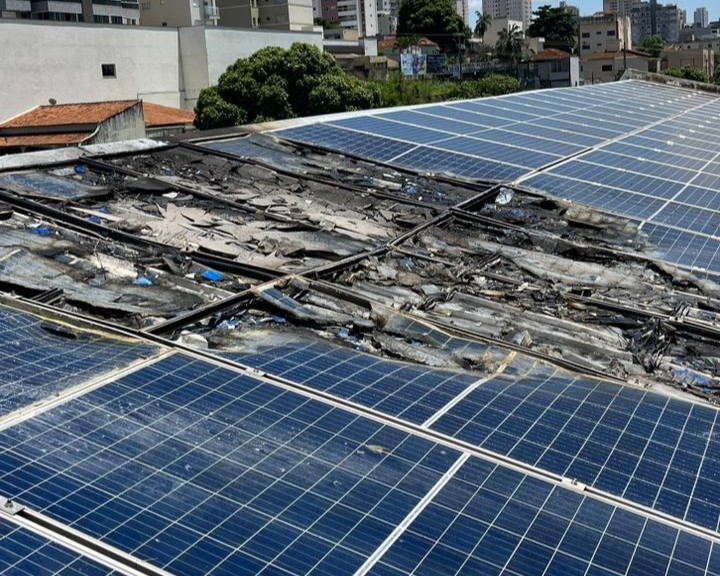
[[591, 6]]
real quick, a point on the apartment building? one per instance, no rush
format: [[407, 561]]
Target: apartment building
[[701, 18], [462, 7], [97, 11], [607, 32], [651, 18], [620, 7], [678, 56], [360, 15], [272, 14], [179, 13], [510, 9]]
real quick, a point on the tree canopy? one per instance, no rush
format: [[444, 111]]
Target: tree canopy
[[557, 25], [435, 19], [509, 46], [652, 45], [483, 23], [274, 84], [688, 73]]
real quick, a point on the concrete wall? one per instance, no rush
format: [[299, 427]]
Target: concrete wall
[[128, 125], [46, 60], [166, 66]]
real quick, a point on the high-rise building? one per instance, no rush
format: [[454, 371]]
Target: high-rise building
[[651, 18], [277, 15], [620, 7], [360, 15], [179, 13], [574, 10], [702, 18], [510, 9], [463, 9], [97, 11]]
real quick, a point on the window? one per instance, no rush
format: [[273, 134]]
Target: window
[[611, 32], [108, 70], [586, 34], [607, 67], [586, 46]]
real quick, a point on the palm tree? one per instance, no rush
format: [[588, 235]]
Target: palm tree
[[510, 45], [483, 23]]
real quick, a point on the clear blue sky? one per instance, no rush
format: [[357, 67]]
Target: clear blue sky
[[591, 6]]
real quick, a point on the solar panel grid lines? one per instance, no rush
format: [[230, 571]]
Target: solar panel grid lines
[[491, 520], [41, 357], [23, 551], [132, 489]]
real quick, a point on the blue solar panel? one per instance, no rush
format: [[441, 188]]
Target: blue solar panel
[[648, 448], [200, 470], [684, 248], [345, 141], [413, 393], [39, 358], [380, 127], [690, 218], [498, 152], [490, 520], [438, 119], [440, 161], [24, 552]]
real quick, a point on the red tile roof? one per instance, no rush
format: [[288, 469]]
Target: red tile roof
[[43, 140], [551, 54], [157, 115], [69, 114]]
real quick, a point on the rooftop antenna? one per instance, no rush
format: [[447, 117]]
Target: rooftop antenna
[[52, 101]]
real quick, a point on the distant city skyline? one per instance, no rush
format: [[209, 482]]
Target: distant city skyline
[[591, 6]]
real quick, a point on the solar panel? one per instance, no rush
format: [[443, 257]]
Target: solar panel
[[493, 520], [40, 357], [24, 552], [628, 442], [200, 470]]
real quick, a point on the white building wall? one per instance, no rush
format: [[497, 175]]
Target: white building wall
[[48, 60]]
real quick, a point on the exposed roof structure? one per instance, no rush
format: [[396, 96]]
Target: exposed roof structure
[[294, 352]]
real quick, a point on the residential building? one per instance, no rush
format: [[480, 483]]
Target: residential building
[[89, 11], [574, 10], [81, 63], [692, 34], [498, 25], [676, 57], [619, 7], [317, 9], [651, 18], [520, 10], [368, 18], [609, 66], [179, 13], [701, 18], [360, 15], [273, 14], [604, 32], [387, 23], [551, 68], [463, 9]]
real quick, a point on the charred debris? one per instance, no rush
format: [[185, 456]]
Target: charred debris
[[279, 242]]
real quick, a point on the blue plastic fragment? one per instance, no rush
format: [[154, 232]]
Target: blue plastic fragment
[[94, 220], [104, 210], [212, 276], [40, 231], [280, 320], [143, 281], [80, 169], [344, 333]]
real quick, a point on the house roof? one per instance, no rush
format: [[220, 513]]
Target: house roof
[[43, 140], [69, 114], [615, 55], [157, 115], [551, 54]]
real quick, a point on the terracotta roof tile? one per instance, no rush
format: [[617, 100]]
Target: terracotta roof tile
[[157, 115], [551, 54], [69, 114], [40, 140]]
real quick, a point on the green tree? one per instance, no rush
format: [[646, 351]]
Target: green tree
[[509, 46], [274, 84], [483, 23], [652, 45], [211, 111], [435, 19], [327, 24], [556, 25], [688, 73], [717, 74]]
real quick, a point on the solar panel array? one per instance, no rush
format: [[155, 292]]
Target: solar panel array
[[645, 151], [199, 469]]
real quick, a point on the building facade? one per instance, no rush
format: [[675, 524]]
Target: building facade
[[510, 9], [678, 57], [360, 15], [650, 19], [607, 32], [119, 12], [179, 13], [701, 18], [273, 14], [620, 7], [462, 7]]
